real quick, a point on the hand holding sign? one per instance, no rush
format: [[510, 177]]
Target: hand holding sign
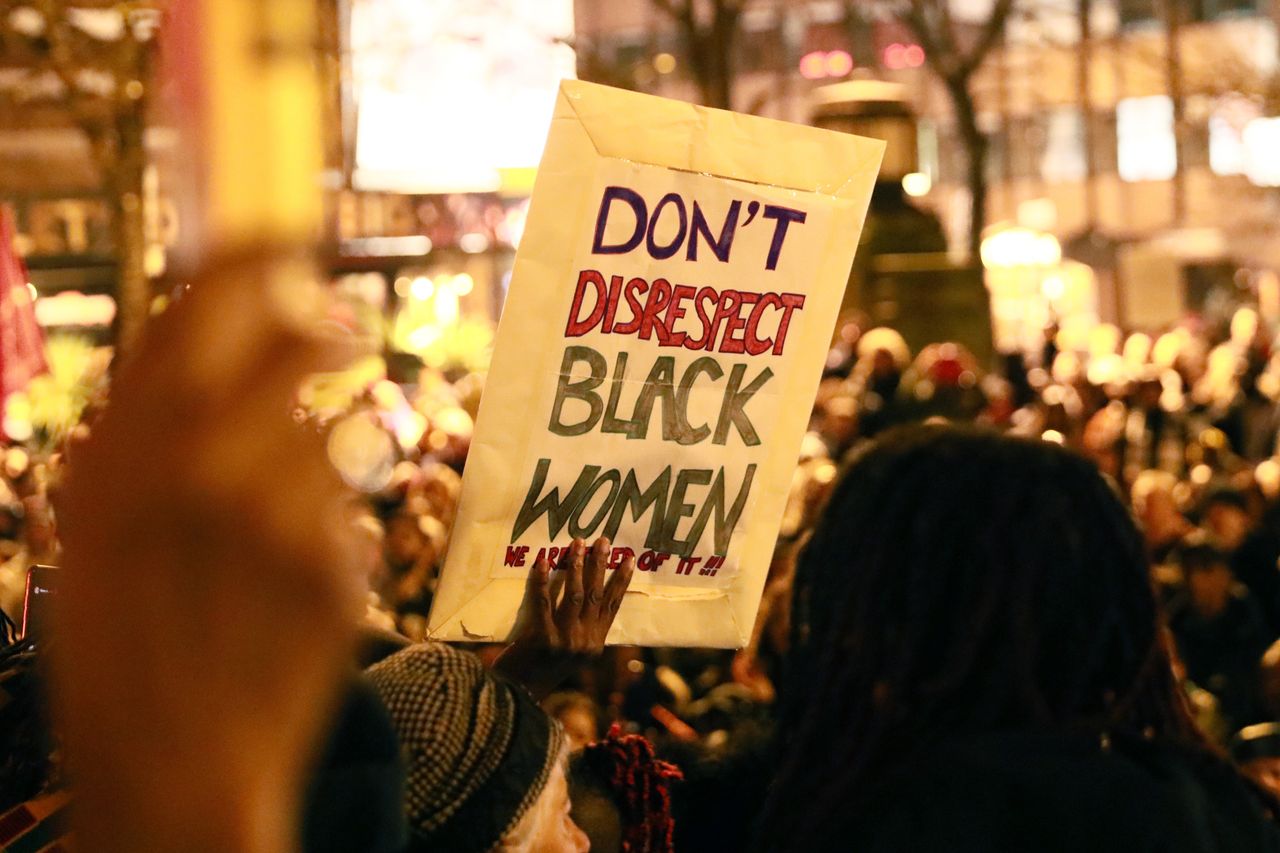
[[560, 634]]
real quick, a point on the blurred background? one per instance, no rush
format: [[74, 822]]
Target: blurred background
[[1075, 236], [1069, 162]]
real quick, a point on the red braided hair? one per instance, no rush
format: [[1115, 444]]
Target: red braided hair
[[640, 786]]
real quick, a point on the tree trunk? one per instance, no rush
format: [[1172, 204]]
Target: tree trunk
[[718, 58], [133, 288], [861, 37], [976, 146]]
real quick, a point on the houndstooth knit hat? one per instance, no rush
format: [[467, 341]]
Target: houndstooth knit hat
[[478, 750]]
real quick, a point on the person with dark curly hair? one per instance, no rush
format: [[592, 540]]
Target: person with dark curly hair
[[621, 795], [977, 665]]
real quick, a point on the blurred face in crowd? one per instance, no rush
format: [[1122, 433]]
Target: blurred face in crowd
[[882, 364], [369, 538], [405, 541], [580, 726], [1210, 588], [1149, 395], [1161, 519], [1228, 524], [38, 527], [839, 424]]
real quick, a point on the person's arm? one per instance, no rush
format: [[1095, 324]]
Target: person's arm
[[209, 595], [565, 624]]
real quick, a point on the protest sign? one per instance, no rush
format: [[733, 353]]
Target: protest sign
[[670, 309]]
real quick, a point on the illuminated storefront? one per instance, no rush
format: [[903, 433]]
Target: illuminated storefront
[[447, 105]]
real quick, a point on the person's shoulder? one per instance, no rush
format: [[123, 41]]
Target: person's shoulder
[[1057, 793]]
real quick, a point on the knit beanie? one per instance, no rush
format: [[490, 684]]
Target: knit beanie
[[478, 750]]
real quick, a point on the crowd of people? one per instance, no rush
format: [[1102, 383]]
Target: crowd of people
[[1001, 598]]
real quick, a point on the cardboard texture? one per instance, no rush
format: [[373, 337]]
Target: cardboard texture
[[671, 306]]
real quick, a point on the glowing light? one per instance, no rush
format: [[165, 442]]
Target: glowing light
[[17, 420], [895, 56], [463, 284], [26, 21], [1104, 339], [454, 421], [813, 66], [387, 395], [423, 337], [503, 61], [1104, 369], [1137, 348], [1053, 287], [664, 63], [913, 56], [422, 288], [73, 308], [31, 289], [409, 428], [1146, 149], [839, 63], [473, 243], [1168, 347], [402, 286], [1016, 247], [16, 461], [1268, 476], [1201, 474], [446, 307], [1052, 436], [1261, 140], [362, 453], [916, 184], [1244, 325]]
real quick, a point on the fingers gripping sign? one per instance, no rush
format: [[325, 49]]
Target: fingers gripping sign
[[565, 620]]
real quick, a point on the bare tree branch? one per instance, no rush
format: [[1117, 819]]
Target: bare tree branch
[[992, 32], [937, 43], [682, 13]]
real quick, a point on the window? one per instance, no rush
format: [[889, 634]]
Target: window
[[1145, 145], [1261, 141], [504, 62], [928, 159], [1063, 158], [1230, 8], [1025, 146], [1227, 121], [1137, 13], [1226, 147]]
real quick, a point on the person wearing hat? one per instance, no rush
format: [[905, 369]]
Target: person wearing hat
[[485, 766]]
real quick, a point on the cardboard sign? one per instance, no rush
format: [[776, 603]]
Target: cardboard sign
[[671, 306]]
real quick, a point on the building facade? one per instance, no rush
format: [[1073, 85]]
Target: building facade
[[1147, 146]]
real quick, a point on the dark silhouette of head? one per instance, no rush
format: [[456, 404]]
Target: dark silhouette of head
[[962, 582]]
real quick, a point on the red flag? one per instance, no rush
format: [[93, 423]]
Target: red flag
[[21, 340]]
